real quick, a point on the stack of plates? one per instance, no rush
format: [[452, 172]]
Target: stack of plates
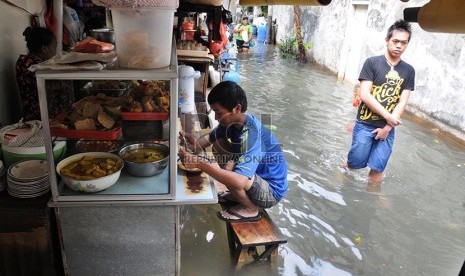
[[2, 180], [28, 178]]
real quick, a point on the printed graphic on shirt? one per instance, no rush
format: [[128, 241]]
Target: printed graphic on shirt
[[387, 94]]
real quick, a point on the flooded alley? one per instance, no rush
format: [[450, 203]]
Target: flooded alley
[[414, 224]]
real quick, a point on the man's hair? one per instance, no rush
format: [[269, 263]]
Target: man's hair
[[245, 18], [228, 94], [400, 25]]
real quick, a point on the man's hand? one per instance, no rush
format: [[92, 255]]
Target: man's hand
[[190, 160], [188, 141]]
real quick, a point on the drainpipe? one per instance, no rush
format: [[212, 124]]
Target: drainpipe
[[443, 16]]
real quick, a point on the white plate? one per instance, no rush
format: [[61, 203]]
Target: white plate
[[29, 169]]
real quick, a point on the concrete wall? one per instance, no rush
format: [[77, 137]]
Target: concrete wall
[[439, 59], [13, 21]]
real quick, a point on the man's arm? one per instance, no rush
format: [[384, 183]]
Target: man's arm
[[193, 144], [374, 105], [228, 178], [238, 28]]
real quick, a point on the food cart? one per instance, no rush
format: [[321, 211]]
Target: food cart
[[132, 227]]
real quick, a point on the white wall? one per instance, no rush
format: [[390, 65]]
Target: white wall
[[439, 59], [12, 24]]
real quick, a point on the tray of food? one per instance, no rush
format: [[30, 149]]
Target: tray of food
[[147, 101], [110, 134], [145, 116], [93, 117]]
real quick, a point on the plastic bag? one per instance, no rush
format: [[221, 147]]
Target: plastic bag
[[73, 25], [226, 16], [23, 134]]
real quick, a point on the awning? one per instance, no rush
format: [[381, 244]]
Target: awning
[[284, 2]]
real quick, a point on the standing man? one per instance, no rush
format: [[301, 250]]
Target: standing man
[[255, 172], [385, 85], [243, 33]]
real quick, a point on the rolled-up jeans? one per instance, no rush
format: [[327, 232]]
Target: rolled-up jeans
[[366, 151]]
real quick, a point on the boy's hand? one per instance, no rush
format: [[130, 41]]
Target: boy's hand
[[393, 120], [188, 141]]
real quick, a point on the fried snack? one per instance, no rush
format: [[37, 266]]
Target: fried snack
[[86, 124], [91, 110], [105, 120]]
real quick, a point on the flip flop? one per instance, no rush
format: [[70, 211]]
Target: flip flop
[[241, 218]]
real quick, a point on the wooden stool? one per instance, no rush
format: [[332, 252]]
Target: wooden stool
[[244, 237]]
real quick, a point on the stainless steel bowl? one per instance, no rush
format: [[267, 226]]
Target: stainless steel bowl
[[104, 34], [145, 168]]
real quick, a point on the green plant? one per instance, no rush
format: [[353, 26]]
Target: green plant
[[289, 46]]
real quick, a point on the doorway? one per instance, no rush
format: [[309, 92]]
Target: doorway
[[354, 42]]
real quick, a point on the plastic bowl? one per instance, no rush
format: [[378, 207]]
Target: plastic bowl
[[94, 185], [12, 155], [145, 168]]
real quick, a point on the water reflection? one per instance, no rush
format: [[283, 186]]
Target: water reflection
[[414, 224]]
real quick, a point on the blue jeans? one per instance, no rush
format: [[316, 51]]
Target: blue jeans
[[366, 151]]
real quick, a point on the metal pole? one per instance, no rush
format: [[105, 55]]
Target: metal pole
[[269, 27], [58, 12]]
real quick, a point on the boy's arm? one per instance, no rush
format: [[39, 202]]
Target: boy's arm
[[402, 104], [374, 105]]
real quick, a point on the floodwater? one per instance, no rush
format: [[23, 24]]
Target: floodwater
[[414, 224]]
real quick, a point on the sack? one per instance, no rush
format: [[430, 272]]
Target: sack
[[23, 134]]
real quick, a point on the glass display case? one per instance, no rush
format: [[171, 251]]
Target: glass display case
[[158, 126]]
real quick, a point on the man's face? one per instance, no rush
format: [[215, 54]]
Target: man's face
[[224, 116], [221, 114], [397, 44], [245, 21]]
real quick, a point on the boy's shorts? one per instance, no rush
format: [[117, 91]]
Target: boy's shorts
[[260, 193], [242, 44], [366, 151]]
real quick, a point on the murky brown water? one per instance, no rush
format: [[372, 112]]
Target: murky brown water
[[413, 225]]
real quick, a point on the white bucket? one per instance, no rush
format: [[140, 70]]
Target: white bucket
[[143, 36]]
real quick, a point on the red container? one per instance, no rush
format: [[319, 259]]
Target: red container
[[188, 34], [145, 116]]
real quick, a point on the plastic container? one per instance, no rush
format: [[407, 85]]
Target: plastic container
[[186, 94], [143, 36], [254, 30], [15, 154], [188, 34], [231, 70], [261, 33]]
